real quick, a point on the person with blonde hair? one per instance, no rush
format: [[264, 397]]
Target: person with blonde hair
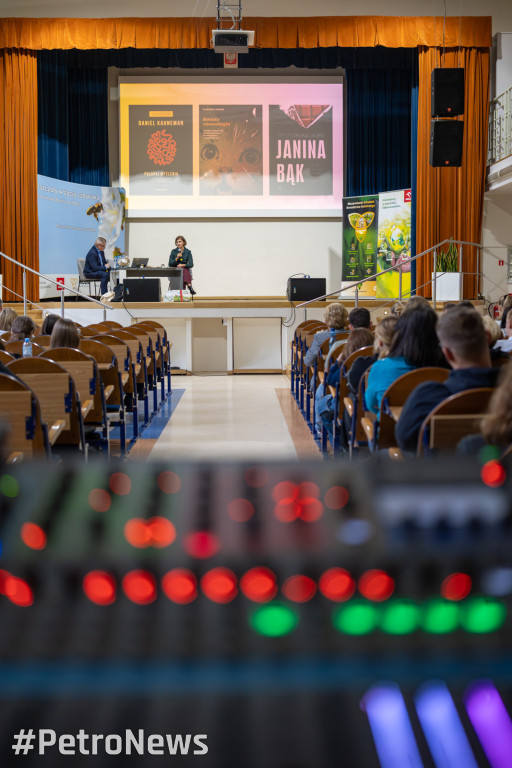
[[335, 316], [7, 317]]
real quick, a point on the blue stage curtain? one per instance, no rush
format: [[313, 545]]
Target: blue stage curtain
[[72, 118], [73, 98], [378, 130]]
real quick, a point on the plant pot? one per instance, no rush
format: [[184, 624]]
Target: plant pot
[[448, 286]]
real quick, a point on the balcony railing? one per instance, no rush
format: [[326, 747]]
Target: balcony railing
[[500, 128]]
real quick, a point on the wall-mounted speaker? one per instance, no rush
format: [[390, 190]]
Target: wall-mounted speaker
[[447, 92], [446, 139]]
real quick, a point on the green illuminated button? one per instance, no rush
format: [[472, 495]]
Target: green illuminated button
[[483, 614], [400, 617], [440, 617], [356, 618], [274, 620], [9, 486]]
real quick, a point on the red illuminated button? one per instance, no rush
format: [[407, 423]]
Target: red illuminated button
[[337, 585], [259, 584], [180, 586], [376, 585], [219, 585]]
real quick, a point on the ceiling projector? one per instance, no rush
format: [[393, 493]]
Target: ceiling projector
[[232, 40]]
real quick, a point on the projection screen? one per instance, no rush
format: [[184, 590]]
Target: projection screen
[[231, 148]]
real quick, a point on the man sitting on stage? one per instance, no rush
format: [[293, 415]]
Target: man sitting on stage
[[96, 267]]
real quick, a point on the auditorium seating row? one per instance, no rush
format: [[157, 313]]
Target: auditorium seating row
[[445, 426], [67, 400]]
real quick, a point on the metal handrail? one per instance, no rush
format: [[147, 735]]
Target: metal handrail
[[406, 261], [51, 280], [29, 301]]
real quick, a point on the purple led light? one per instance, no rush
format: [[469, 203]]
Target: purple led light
[[491, 722], [391, 728], [442, 727]]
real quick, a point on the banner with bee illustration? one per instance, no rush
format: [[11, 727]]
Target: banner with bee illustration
[[394, 244], [377, 236], [360, 240]]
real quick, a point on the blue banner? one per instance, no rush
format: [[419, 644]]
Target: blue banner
[[71, 217]]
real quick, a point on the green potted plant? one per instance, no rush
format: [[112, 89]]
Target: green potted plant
[[448, 282]]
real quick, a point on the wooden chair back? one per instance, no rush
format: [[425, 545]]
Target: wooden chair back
[[111, 324], [108, 367], [395, 396], [124, 360], [5, 357], [56, 392], [44, 340], [85, 373], [20, 410], [99, 327], [457, 416], [135, 346], [88, 331], [156, 344], [16, 348]]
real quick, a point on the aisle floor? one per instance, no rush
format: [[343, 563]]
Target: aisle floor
[[234, 417]]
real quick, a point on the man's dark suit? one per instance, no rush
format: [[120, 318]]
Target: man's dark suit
[[95, 268]]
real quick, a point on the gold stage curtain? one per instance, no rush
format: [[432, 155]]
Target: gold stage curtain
[[19, 237], [450, 200], [271, 32]]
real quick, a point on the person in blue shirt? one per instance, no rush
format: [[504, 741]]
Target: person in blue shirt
[[415, 345], [96, 267]]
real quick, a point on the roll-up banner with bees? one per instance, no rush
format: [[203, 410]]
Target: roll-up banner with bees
[[376, 236]]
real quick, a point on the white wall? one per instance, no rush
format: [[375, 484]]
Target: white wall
[[245, 257], [496, 236]]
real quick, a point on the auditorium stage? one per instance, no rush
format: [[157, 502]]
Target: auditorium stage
[[214, 334]]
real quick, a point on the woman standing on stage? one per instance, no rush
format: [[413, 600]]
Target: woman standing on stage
[[181, 257]]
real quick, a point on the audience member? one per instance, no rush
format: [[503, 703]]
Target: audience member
[[65, 334], [48, 323], [417, 301], [7, 317], [493, 332], [397, 309], [464, 343], [359, 317], [335, 316], [324, 403], [504, 315], [22, 328], [414, 345], [505, 344]]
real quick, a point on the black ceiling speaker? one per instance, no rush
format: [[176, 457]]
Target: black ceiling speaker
[[447, 92], [446, 140]]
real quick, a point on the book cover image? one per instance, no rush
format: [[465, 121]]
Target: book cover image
[[230, 150], [300, 149], [160, 149]]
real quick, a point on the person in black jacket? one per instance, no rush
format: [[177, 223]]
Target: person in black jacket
[[464, 343]]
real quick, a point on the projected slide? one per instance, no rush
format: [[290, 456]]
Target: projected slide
[[231, 148]]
